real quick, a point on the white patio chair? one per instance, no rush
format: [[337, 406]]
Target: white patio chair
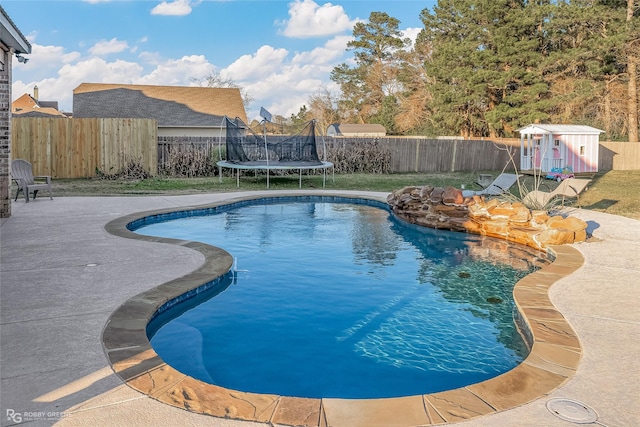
[[500, 185]]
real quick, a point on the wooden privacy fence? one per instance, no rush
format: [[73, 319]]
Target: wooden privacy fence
[[616, 155], [210, 146], [450, 155], [423, 155], [78, 148], [405, 154]]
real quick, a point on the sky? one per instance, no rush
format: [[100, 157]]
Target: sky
[[279, 52]]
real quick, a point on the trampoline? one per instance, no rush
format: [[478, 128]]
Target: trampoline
[[246, 150]]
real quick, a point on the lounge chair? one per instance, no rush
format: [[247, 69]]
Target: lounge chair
[[500, 185], [22, 174], [569, 188]]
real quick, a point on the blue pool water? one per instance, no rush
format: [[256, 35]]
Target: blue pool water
[[343, 300]]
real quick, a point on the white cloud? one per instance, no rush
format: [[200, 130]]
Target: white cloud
[[31, 37], [97, 70], [178, 71], [106, 47], [283, 85], [326, 54], [411, 33], [308, 19], [43, 61], [51, 56], [173, 8], [152, 58], [265, 61]]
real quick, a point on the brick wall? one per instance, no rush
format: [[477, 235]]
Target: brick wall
[[5, 136]]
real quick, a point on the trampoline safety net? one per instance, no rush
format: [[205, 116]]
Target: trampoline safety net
[[245, 147]]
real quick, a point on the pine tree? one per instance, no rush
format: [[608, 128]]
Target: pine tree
[[366, 86], [484, 65], [414, 100], [488, 67], [585, 63]]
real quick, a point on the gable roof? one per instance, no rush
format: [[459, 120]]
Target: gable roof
[[40, 112], [28, 106], [537, 129], [25, 102], [171, 106]]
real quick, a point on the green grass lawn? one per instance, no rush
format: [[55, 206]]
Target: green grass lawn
[[614, 192]]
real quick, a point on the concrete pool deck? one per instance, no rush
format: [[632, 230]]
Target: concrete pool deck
[[62, 276]]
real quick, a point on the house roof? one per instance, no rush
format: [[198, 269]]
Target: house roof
[[40, 112], [28, 106], [25, 102], [345, 128], [171, 106], [538, 129]]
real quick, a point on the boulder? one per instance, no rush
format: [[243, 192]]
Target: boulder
[[446, 208]]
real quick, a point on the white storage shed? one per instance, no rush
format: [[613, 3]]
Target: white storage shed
[[543, 147], [356, 130]]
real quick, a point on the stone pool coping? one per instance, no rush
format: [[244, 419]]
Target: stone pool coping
[[554, 358]]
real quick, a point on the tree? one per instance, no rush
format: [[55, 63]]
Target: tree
[[353, 92], [488, 67], [387, 113], [483, 65], [215, 79], [415, 98], [585, 64], [323, 106], [300, 118], [376, 47]]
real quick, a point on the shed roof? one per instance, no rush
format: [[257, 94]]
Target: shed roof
[[359, 128], [538, 129], [171, 106], [347, 127]]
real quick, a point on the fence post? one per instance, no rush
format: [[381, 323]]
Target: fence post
[[453, 155]]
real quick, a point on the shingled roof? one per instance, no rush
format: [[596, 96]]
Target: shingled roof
[[348, 129], [171, 106], [28, 106]]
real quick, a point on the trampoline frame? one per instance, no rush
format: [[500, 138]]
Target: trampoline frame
[[256, 166], [268, 165]]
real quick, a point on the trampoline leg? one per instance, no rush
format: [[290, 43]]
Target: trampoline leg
[[300, 181], [238, 178], [267, 178]]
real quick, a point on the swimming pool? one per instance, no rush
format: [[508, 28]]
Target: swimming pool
[[402, 310]]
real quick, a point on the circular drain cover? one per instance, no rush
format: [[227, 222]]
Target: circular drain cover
[[572, 410]]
